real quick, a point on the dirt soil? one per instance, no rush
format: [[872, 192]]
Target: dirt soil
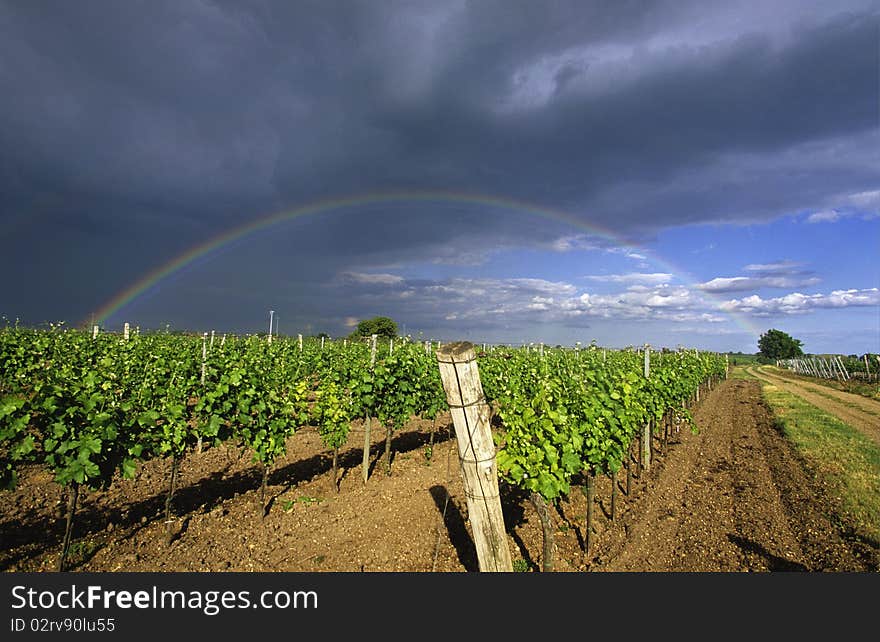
[[857, 411], [733, 497]]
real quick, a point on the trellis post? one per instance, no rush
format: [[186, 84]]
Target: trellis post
[[646, 429], [476, 453], [366, 460]]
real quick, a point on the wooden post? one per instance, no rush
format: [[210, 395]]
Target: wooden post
[[204, 356], [269, 337], [476, 452], [613, 495], [95, 336], [843, 368], [299, 338], [125, 329], [646, 429], [366, 459], [590, 493], [834, 369], [204, 361], [212, 339]]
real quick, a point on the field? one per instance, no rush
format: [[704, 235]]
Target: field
[[734, 496]]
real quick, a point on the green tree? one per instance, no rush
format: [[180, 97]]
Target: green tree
[[776, 344], [382, 326]]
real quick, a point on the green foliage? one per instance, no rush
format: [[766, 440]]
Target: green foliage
[[568, 412], [776, 344], [331, 414], [88, 408], [17, 444]]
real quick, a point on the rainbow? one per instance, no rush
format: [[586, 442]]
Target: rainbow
[[212, 245]]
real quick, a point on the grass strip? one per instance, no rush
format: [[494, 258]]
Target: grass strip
[[821, 383], [846, 460]]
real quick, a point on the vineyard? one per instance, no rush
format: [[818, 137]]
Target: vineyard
[[836, 367], [173, 443]]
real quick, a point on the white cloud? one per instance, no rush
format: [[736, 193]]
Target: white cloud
[[744, 283], [572, 243], [798, 303], [641, 297], [727, 284], [585, 242], [865, 205], [654, 278], [372, 279], [869, 200], [773, 268], [824, 216], [540, 285], [627, 252]]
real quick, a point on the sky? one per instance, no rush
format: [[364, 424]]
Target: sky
[[682, 173]]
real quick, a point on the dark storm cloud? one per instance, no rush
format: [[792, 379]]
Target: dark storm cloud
[[131, 125]]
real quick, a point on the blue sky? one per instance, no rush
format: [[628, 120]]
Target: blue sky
[[672, 173]]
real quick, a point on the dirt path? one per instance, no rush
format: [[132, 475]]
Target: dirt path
[[734, 497], [859, 412]]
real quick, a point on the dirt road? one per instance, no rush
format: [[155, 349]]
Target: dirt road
[[736, 497]]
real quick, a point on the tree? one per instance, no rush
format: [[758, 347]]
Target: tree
[[776, 344], [382, 326]]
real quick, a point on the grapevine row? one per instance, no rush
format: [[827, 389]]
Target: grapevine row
[[89, 407]]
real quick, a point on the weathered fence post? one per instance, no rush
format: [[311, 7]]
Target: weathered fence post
[[125, 331], [368, 421], [647, 428], [476, 453]]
